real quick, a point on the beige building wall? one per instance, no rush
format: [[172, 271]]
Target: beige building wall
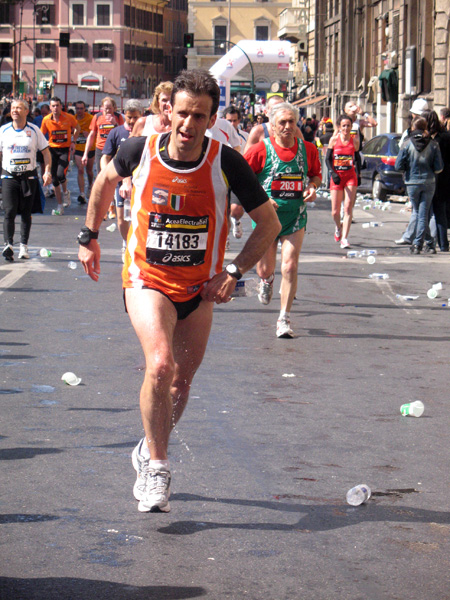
[[218, 23]]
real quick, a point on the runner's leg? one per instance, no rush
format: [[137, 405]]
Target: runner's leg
[[154, 319], [290, 252], [190, 341]]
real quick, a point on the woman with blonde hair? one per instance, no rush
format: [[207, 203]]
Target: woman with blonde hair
[[158, 122]]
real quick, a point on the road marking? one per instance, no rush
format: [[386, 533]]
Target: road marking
[[17, 270]]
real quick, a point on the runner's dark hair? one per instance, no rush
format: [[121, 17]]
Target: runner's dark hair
[[197, 82]]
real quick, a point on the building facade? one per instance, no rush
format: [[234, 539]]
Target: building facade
[[109, 45], [219, 25], [348, 45]]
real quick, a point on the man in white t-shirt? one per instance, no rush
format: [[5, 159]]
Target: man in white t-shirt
[[19, 144], [224, 132], [233, 116]]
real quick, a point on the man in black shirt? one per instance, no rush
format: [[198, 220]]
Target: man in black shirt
[[173, 270]]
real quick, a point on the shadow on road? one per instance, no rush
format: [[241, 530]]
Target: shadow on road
[[56, 588], [316, 517]]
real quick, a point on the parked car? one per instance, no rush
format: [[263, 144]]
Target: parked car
[[379, 175]]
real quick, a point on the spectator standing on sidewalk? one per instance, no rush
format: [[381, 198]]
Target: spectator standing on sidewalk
[[419, 106], [441, 198], [19, 143], [420, 159]]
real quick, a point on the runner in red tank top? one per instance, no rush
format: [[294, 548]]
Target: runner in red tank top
[[341, 164]]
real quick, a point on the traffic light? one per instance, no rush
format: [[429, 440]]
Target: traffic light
[[45, 85], [64, 40], [188, 40], [252, 98]]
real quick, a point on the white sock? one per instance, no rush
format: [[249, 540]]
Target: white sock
[[284, 314], [162, 465], [269, 279]]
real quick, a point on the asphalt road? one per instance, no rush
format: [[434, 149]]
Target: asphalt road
[[261, 461]]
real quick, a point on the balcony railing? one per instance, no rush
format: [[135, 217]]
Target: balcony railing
[[210, 50]]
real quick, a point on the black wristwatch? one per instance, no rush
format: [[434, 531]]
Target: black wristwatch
[[233, 270], [86, 235]]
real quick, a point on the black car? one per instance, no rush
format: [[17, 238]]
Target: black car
[[379, 175]]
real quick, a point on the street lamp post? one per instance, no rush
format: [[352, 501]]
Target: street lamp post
[[251, 67]]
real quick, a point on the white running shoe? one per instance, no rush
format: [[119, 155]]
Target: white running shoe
[[66, 199], [23, 251], [157, 491], [284, 328], [152, 486], [237, 229], [345, 243], [140, 465], [58, 211], [265, 291]]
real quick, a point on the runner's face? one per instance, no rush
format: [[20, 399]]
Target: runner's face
[[233, 118], [284, 126], [345, 126], [55, 108], [191, 117], [80, 110], [18, 112], [131, 116], [164, 103], [108, 108]]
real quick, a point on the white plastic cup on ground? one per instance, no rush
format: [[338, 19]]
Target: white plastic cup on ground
[[437, 286], [358, 494], [371, 259], [379, 276], [44, 253], [111, 228], [70, 378], [412, 409], [72, 265], [432, 293]]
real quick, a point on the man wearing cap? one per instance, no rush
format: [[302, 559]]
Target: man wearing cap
[[419, 106]]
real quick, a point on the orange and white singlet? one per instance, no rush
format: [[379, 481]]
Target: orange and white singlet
[[178, 231]]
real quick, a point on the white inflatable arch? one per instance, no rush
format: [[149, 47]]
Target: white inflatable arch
[[238, 57]]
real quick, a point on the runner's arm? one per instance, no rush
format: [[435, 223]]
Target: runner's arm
[[138, 127], [221, 286], [100, 199], [47, 176]]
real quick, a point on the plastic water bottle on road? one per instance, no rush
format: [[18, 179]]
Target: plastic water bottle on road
[[246, 287], [358, 494]]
